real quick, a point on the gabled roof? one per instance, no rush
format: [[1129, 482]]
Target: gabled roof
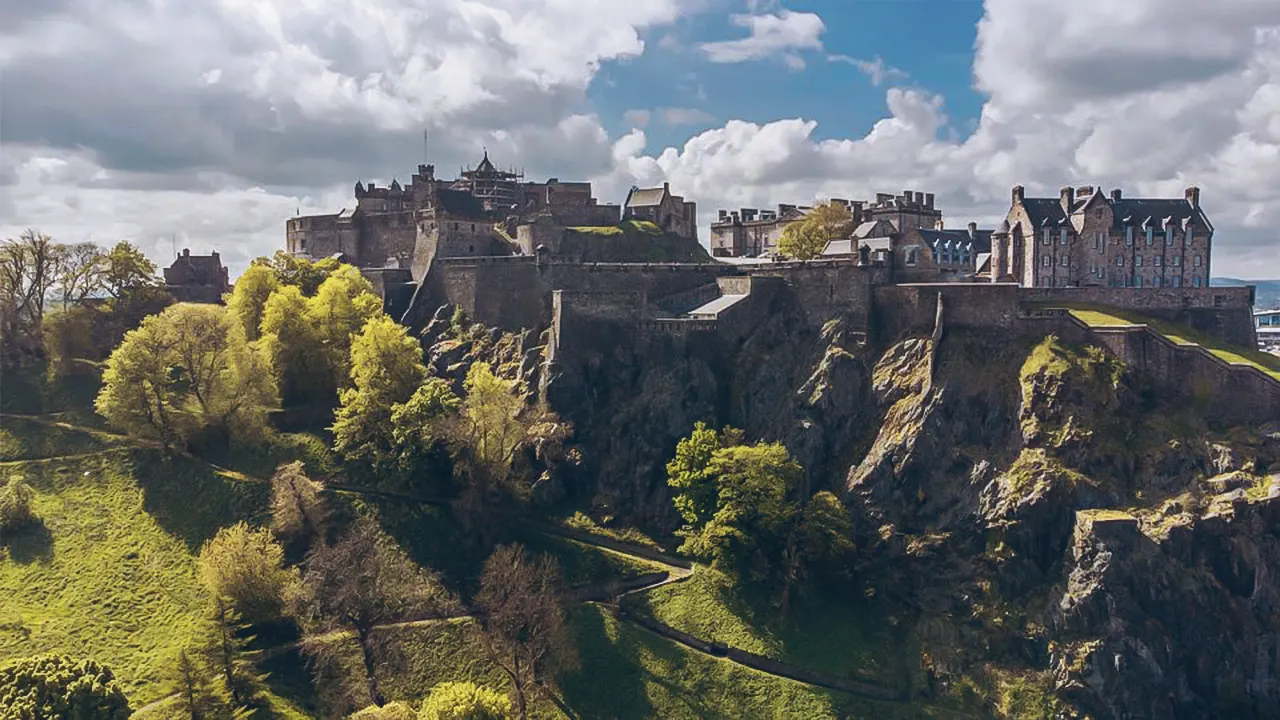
[[1048, 212], [873, 228], [957, 238], [645, 197], [839, 247], [485, 166]]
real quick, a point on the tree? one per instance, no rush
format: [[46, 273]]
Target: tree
[[390, 711], [28, 272], [248, 299], [464, 701], [689, 472], [386, 370], [522, 621], [189, 681], [57, 686], [125, 269], [420, 424], [15, 506], [245, 568], [185, 370], [342, 305], [226, 653], [491, 416], [362, 581], [80, 272], [294, 347], [298, 510], [807, 237], [300, 272], [819, 535]]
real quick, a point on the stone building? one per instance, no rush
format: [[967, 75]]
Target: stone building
[[1085, 237], [197, 278], [749, 232], [657, 205], [382, 228]]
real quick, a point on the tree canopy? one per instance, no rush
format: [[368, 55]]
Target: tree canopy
[[57, 686], [807, 237]]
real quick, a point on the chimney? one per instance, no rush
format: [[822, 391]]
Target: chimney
[[724, 214], [920, 199], [973, 230], [666, 187], [1084, 191], [928, 200], [906, 196], [1068, 198], [1193, 197], [1116, 195], [1019, 193], [186, 252]]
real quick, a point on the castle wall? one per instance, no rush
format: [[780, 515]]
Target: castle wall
[[321, 236], [828, 288], [531, 235], [902, 310], [1223, 312], [387, 239], [587, 215]]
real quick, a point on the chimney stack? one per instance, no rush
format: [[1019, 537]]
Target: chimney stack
[[928, 200], [1116, 195], [666, 187], [1019, 193], [1067, 196], [724, 214], [973, 230], [1193, 197]]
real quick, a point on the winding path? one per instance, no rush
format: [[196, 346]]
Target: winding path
[[675, 570]]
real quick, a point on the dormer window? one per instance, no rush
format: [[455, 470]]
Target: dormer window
[[1189, 236], [1128, 236], [1048, 239], [1150, 235], [1062, 236], [1168, 236]]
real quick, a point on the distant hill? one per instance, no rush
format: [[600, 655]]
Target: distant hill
[[1268, 290]]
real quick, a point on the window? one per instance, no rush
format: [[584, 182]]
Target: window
[[1137, 261], [1120, 261], [1128, 236], [1097, 241], [1149, 235], [1066, 261], [1137, 281], [1196, 281], [1157, 261], [1047, 237], [1168, 236], [473, 227], [1186, 240], [1196, 261], [1177, 281], [1177, 261], [1046, 261], [1062, 236], [302, 245], [1155, 282], [912, 256]]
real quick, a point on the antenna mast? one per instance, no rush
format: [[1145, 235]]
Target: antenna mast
[[426, 146]]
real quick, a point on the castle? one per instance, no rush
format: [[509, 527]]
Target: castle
[[557, 262]]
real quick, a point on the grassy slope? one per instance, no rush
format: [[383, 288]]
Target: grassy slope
[[826, 634], [1097, 316]]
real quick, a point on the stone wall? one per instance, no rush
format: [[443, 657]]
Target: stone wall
[[902, 310], [321, 236], [384, 238], [828, 288], [1223, 312], [587, 215]]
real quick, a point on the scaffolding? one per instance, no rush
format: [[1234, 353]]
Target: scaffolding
[[496, 189]]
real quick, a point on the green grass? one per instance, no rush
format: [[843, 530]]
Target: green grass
[[30, 439], [583, 564], [111, 572], [582, 522], [832, 634], [1098, 316]]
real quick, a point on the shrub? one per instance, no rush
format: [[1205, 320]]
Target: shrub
[[246, 567], [15, 505], [56, 686], [465, 701], [390, 711]]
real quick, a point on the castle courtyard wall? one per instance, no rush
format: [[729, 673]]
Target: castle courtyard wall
[[1223, 312]]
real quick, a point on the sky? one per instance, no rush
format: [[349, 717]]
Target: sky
[[205, 125]]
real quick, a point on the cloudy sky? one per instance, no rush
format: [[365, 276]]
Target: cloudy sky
[[214, 121]]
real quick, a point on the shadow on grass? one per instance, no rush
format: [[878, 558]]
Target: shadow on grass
[[32, 543], [611, 681], [288, 677], [188, 499]]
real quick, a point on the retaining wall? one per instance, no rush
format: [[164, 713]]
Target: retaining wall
[[1223, 312]]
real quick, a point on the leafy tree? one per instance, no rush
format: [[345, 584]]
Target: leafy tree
[[80, 272], [386, 370], [807, 237], [363, 581], [236, 683], [522, 621], [342, 305], [819, 535], [189, 681], [491, 416], [71, 334], [15, 505], [419, 424], [245, 568], [185, 370], [390, 711], [689, 472], [125, 269], [57, 686], [298, 510], [295, 349], [28, 272], [300, 272], [464, 701], [248, 299]]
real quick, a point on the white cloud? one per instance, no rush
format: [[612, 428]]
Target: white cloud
[[877, 71], [684, 116], [779, 33], [1147, 95], [637, 118]]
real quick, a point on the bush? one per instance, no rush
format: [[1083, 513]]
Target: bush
[[55, 686], [15, 505], [465, 701], [246, 567], [390, 711]]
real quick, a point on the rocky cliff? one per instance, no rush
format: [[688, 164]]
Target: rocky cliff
[[1031, 509]]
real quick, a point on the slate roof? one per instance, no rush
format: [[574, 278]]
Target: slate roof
[[1048, 212], [485, 166], [196, 269], [459, 202], [979, 243], [839, 247], [645, 197]]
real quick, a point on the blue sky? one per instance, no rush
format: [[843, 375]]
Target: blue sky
[[931, 40]]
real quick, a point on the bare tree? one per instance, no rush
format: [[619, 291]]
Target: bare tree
[[28, 272], [522, 616], [80, 273], [364, 581]]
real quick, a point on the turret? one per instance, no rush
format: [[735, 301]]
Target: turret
[[359, 188]]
